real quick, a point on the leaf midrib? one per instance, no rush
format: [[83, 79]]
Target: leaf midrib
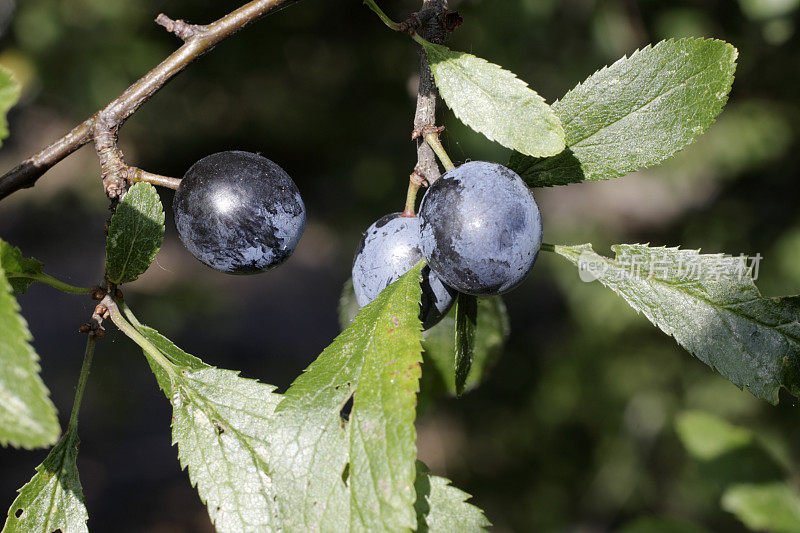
[[57, 479]]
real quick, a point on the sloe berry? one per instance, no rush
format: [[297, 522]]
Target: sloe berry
[[388, 249], [480, 228], [239, 212]]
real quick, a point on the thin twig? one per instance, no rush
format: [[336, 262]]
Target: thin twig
[[433, 30], [110, 118]]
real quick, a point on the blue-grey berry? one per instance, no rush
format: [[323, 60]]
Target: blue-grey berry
[[239, 212], [480, 228], [388, 249]]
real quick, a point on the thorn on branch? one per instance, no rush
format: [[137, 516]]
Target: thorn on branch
[[180, 28]]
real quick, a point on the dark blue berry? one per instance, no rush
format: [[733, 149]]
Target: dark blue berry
[[388, 249], [239, 212], [480, 228]]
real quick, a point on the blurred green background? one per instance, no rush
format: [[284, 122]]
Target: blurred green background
[[575, 430]]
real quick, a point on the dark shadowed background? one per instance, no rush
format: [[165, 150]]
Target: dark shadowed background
[[574, 429]]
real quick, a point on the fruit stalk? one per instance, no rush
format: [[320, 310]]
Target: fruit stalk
[[154, 179], [415, 181], [435, 143]]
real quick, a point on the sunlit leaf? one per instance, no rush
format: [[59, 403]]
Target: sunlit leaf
[[53, 499], [773, 507], [637, 112], [343, 439], [710, 304], [27, 416], [494, 102]]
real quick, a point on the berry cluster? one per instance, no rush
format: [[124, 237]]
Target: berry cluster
[[478, 228]]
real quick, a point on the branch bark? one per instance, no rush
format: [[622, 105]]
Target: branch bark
[[432, 28], [103, 125]]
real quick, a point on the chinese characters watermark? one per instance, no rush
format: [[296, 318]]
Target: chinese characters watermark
[[669, 266]]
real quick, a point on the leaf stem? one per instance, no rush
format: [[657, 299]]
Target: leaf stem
[[432, 138], [55, 283], [125, 327], [84, 378], [384, 18], [419, 39], [123, 306], [548, 247]]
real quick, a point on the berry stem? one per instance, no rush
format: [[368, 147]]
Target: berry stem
[[84, 378], [547, 247], [411, 200], [155, 179], [432, 138]]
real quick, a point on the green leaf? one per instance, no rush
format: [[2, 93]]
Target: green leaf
[[637, 112], [53, 499], [18, 269], [220, 424], [764, 10], [711, 305], [27, 416], [135, 235], [9, 94], [652, 524], [340, 470], [442, 508], [708, 437], [773, 507], [348, 305], [491, 333], [494, 102], [466, 323]]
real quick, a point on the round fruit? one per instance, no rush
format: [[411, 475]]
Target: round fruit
[[239, 212], [480, 228], [388, 249]]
